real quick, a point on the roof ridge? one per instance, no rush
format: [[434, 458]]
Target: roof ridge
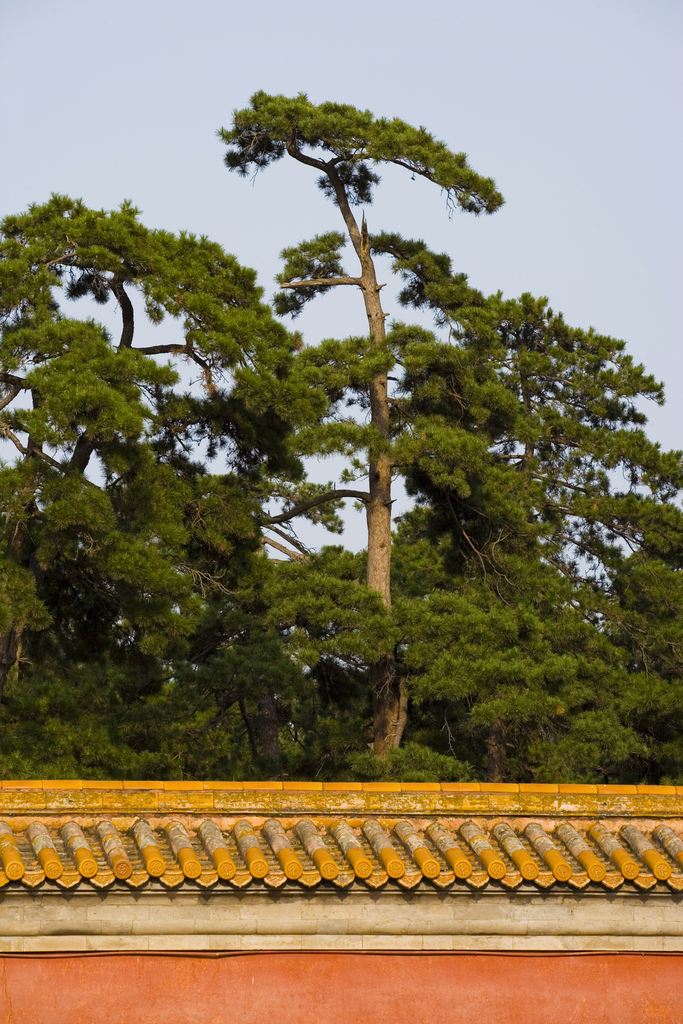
[[171, 785]]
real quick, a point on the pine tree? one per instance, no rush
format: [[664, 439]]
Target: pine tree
[[344, 145], [544, 498], [114, 531]]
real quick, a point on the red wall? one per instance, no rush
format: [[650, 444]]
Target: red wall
[[342, 988]]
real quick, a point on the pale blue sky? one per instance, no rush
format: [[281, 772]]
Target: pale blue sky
[[573, 107]]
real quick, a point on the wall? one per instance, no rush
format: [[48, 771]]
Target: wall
[[523, 920], [327, 988]]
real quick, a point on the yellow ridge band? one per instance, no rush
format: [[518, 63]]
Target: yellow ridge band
[[426, 863], [86, 863], [360, 863], [191, 867], [258, 867], [325, 864]]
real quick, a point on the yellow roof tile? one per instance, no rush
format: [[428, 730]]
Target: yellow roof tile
[[224, 785], [421, 787], [398, 846], [302, 786], [382, 787], [617, 789], [461, 787]]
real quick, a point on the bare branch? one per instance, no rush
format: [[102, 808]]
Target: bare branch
[[174, 350], [11, 396], [322, 282], [295, 556], [320, 499], [204, 581], [163, 350], [10, 378], [294, 541], [293, 150], [66, 258], [6, 432], [565, 483]]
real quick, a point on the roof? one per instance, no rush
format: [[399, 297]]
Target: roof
[[231, 835]]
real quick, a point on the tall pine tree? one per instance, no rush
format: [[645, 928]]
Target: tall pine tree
[[344, 145]]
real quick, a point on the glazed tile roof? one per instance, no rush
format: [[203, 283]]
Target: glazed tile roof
[[471, 836]]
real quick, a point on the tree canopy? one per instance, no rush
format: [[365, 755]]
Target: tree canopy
[[160, 610]]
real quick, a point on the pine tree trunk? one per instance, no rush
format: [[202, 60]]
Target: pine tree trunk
[[10, 641], [9, 652], [389, 702], [269, 738], [388, 691], [495, 744]]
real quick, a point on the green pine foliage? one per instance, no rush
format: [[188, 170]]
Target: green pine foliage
[[117, 535], [536, 594], [540, 501], [356, 141]]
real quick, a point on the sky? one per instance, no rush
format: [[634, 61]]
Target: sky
[[574, 108]]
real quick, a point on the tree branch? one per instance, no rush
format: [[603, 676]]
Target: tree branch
[[295, 556], [343, 204], [16, 390], [322, 282], [163, 350], [248, 726], [414, 170], [66, 258], [294, 151], [320, 499], [126, 305], [290, 540], [5, 430], [174, 350], [10, 378], [340, 192], [80, 457]]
